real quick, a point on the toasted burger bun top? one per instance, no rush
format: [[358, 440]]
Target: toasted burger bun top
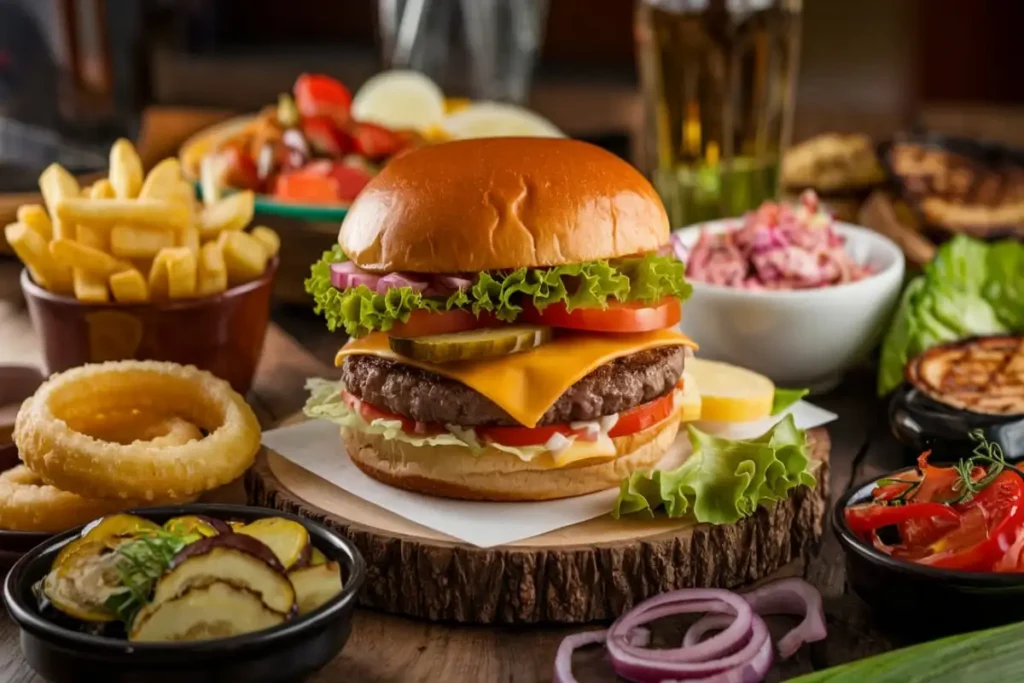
[[497, 203]]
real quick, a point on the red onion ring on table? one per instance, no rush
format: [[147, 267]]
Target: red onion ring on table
[[740, 653]]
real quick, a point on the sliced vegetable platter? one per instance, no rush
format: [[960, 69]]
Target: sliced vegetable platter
[[203, 142]]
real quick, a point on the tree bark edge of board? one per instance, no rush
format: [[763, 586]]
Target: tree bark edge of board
[[514, 585]]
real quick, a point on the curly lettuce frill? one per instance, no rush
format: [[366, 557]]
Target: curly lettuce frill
[[722, 481], [361, 310]]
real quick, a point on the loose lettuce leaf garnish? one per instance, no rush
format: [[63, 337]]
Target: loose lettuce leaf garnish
[[971, 288], [360, 310], [784, 398], [723, 480]]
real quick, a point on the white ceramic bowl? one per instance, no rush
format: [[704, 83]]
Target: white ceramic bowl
[[805, 338]]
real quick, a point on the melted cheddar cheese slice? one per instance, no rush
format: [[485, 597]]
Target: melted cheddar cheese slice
[[526, 384]]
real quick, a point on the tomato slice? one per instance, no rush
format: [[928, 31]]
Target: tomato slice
[[306, 186], [239, 169], [319, 95], [426, 323], [349, 180], [630, 422], [617, 317], [522, 436], [373, 141], [325, 138], [371, 412]]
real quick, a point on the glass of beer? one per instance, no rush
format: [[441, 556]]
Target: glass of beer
[[718, 79]]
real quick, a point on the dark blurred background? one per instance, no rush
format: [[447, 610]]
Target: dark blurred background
[[90, 67]]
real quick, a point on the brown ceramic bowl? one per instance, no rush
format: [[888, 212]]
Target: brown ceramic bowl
[[222, 334]]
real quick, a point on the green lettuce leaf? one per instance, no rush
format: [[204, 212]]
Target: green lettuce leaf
[[1004, 288], [961, 263], [971, 288], [360, 310], [723, 480], [784, 398]]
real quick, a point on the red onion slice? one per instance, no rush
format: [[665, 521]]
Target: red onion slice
[[345, 275], [398, 280], [740, 653], [563, 658], [453, 282], [792, 596]]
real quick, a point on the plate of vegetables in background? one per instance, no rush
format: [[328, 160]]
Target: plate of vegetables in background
[[212, 592], [941, 547], [309, 155]]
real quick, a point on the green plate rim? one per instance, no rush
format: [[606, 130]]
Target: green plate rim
[[308, 212]]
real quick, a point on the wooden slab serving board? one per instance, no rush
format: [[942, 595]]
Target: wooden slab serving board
[[590, 571]]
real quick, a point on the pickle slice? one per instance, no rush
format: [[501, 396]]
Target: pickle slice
[[486, 343]]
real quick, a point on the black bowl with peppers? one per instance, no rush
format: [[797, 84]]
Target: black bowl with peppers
[[937, 550]]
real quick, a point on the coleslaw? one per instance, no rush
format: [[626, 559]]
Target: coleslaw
[[776, 247]]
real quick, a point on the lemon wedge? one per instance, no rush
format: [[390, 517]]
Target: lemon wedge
[[400, 100], [495, 119], [729, 393]]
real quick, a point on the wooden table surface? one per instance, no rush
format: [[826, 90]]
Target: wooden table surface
[[390, 648]]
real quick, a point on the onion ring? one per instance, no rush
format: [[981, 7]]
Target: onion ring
[[28, 504], [136, 425], [77, 462]]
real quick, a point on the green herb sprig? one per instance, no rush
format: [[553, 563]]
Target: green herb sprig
[[985, 453], [904, 497], [141, 563]]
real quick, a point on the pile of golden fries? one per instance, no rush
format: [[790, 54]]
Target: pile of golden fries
[[135, 237]]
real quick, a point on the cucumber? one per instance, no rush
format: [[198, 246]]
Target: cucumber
[[488, 343]]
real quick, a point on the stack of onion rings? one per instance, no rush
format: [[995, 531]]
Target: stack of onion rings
[[108, 436]]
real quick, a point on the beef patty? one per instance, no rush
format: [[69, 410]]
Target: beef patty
[[426, 397]]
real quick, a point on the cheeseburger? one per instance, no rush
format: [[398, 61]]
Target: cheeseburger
[[512, 306]]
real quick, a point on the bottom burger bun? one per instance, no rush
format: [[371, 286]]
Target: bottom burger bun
[[491, 474]]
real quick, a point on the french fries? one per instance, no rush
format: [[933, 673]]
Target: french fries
[[234, 212], [268, 238], [125, 170], [90, 287], [101, 189], [78, 256], [129, 287], [35, 217], [133, 238], [181, 272], [136, 241], [56, 184], [155, 213], [244, 256], [34, 252], [162, 181], [213, 274]]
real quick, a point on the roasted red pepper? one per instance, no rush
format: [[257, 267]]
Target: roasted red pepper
[[863, 519]]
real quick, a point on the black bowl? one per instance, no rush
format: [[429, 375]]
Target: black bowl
[[918, 601], [923, 424], [289, 652]]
